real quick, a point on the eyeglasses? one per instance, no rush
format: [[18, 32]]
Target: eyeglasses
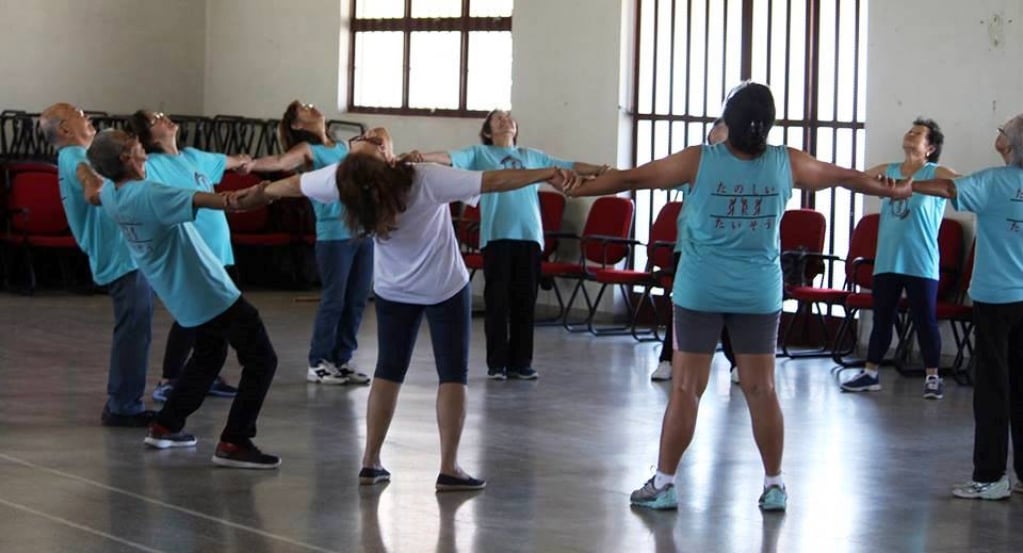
[[156, 119]]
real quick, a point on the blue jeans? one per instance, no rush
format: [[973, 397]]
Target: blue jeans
[[346, 273], [129, 353], [450, 325]]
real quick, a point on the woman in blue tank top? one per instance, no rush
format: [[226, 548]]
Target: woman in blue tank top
[[729, 274], [345, 262], [907, 258]]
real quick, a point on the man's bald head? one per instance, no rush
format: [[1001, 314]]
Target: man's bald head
[[66, 125]]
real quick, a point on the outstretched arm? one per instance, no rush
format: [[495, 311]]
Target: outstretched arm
[[415, 156], [941, 187], [298, 156], [240, 160], [264, 193], [510, 179], [590, 170], [809, 173], [668, 172]]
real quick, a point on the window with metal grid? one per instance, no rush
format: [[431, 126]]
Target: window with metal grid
[[430, 57]]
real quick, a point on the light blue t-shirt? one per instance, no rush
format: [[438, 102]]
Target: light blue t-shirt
[[157, 223], [197, 170], [729, 236], [514, 214], [996, 196], [95, 233], [330, 223], [907, 236]]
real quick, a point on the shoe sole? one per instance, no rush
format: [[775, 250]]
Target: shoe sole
[[660, 379], [229, 463], [520, 377], [1007, 495], [871, 388], [373, 480], [168, 444], [934, 396], [315, 380], [772, 508], [656, 506], [459, 488], [497, 377]]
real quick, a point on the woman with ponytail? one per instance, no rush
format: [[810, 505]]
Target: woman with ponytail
[[345, 262], [729, 274]]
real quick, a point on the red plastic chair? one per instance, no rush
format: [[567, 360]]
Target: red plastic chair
[[36, 220], [960, 317], [802, 232], [250, 228], [660, 259], [552, 210], [602, 244], [859, 274]]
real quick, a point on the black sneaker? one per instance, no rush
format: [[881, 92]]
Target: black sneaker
[[138, 420], [526, 373], [244, 456], [370, 476], [497, 374], [220, 388], [448, 483], [160, 438]]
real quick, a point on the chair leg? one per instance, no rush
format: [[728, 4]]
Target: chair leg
[[557, 319], [838, 352], [651, 334], [807, 309], [578, 326]]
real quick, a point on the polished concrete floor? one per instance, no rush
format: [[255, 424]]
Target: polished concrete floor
[[865, 473]]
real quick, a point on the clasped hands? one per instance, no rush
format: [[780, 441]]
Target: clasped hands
[[248, 198]]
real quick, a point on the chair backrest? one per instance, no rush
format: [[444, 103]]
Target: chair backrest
[[863, 244], [552, 209], [609, 216], [967, 274], [950, 255], [253, 221], [804, 230], [664, 230], [467, 228], [37, 196]]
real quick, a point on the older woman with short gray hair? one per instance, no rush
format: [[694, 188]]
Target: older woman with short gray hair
[[995, 195]]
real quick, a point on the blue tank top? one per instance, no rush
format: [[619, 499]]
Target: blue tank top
[[329, 217], [907, 236], [729, 235]]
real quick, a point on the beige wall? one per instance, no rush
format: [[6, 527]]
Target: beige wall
[[110, 55]]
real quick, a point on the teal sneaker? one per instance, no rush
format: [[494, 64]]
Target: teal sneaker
[[774, 498], [651, 497]]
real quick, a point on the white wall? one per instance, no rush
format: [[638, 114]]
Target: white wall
[[111, 55], [261, 54], [956, 62]]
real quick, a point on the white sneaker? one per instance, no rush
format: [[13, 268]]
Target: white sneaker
[[352, 375], [984, 490], [325, 373], [734, 375], [1018, 486], [662, 372]]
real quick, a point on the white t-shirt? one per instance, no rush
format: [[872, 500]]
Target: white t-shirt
[[420, 262]]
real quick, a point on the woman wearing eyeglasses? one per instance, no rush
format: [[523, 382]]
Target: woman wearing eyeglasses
[[190, 169], [907, 259], [345, 262]]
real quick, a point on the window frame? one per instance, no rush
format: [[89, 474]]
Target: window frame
[[464, 24]]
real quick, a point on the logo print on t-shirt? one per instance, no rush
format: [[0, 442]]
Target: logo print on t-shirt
[[202, 182], [511, 162], [745, 207]]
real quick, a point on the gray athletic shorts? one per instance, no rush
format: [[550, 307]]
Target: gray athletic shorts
[[699, 331]]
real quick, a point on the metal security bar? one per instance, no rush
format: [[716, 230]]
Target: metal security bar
[[812, 53]]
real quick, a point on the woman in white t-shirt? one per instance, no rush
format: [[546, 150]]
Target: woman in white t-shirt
[[418, 271]]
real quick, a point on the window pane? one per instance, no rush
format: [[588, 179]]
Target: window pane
[[378, 60], [436, 8], [370, 9], [433, 70], [490, 8], [490, 71]]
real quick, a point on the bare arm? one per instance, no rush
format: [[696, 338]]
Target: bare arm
[[91, 182], [588, 169], [234, 162], [812, 174], [510, 179], [942, 187], [298, 156], [415, 156], [943, 172], [264, 193], [877, 170], [209, 200], [668, 172]]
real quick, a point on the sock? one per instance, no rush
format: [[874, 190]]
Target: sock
[[775, 480], [872, 373], [934, 376], [661, 479]]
